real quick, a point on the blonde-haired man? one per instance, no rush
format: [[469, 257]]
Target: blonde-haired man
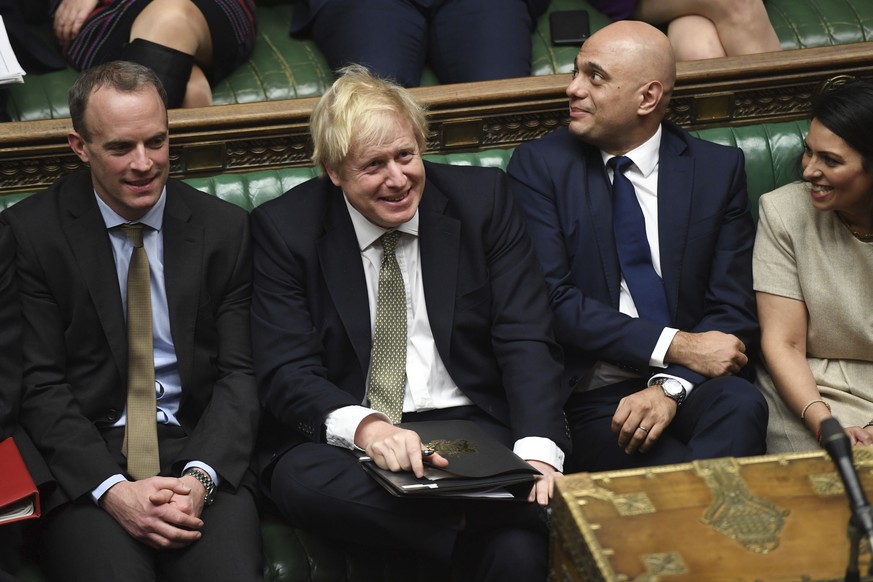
[[478, 339]]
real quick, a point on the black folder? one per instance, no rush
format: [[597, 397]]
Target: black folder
[[479, 465]]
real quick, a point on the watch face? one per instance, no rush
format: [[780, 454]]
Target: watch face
[[673, 387]]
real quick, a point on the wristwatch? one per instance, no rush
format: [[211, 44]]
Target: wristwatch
[[672, 388], [205, 480]]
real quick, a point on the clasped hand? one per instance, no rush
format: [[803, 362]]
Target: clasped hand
[[710, 353], [161, 512]]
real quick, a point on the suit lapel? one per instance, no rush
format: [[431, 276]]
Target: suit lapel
[[183, 276], [440, 247], [87, 237], [599, 200], [340, 260], [675, 193]]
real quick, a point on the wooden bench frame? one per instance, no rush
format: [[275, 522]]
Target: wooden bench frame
[[237, 138]]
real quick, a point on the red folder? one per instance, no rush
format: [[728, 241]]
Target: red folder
[[19, 497]]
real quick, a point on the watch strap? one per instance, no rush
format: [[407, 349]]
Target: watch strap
[[205, 480], [661, 380]]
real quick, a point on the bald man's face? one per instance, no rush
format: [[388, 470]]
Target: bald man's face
[[622, 81], [607, 91]]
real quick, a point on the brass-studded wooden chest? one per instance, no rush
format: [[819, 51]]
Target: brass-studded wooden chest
[[775, 517]]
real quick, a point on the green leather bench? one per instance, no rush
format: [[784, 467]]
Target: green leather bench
[[282, 67], [291, 555]]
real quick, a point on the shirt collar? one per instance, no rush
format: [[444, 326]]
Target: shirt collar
[[644, 156], [154, 218], [367, 233]]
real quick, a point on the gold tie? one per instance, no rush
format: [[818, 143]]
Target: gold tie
[[388, 362], [141, 432]]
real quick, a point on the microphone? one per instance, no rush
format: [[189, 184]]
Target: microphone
[[836, 443]]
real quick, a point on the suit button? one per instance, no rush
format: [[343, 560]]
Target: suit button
[[113, 415]]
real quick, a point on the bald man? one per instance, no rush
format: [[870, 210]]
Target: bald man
[[648, 265]]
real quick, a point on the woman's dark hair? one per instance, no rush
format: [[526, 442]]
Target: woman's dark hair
[[847, 111]]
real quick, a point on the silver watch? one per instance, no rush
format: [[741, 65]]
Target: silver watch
[[672, 388], [205, 480]]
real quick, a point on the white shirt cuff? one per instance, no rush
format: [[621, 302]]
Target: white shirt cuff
[[660, 352], [342, 424], [540, 449], [101, 489]]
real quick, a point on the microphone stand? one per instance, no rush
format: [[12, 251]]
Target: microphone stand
[[835, 441], [853, 574]]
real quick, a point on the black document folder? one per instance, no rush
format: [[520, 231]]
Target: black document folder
[[479, 465]]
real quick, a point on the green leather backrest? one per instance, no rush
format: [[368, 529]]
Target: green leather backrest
[[251, 189], [772, 153], [282, 67], [810, 23]]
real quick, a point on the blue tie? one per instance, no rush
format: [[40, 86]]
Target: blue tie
[[634, 254]]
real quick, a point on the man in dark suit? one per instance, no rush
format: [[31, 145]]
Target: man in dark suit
[[654, 364], [461, 40], [475, 343], [189, 515], [12, 535]]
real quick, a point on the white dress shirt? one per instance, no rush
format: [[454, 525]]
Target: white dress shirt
[[643, 174], [429, 385]]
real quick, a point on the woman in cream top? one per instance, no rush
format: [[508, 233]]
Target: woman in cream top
[[813, 274]]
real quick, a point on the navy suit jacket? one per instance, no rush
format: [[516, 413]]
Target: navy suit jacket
[[705, 230], [75, 339], [485, 298]]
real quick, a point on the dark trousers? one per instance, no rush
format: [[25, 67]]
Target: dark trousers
[[83, 542], [722, 417], [323, 489], [462, 40]]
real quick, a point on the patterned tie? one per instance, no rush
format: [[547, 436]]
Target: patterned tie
[[388, 363], [634, 253], [141, 432]]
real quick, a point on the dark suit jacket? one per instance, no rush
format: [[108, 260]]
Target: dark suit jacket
[[10, 363], [706, 234], [75, 343], [483, 288]]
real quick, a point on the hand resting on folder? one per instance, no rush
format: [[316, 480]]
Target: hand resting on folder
[[394, 448], [397, 449]]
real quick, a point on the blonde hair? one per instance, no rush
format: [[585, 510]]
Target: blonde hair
[[358, 110]]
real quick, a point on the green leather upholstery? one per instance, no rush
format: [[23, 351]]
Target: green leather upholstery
[[811, 23], [251, 189], [549, 60], [772, 154], [282, 67]]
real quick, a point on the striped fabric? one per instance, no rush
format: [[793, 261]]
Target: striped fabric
[[107, 29]]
